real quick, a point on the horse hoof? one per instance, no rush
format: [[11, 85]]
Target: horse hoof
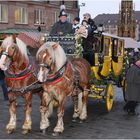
[[74, 120], [82, 121], [10, 131], [26, 131], [43, 131], [56, 134]]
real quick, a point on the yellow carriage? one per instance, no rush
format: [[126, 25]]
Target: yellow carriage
[[109, 53]]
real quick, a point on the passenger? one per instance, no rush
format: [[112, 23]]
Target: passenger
[[132, 94], [87, 17], [3, 85], [87, 44], [62, 27], [76, 24]]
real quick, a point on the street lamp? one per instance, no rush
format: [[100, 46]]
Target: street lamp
[[81, 5]]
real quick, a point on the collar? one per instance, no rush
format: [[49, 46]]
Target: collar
[[20, 76], [56, 78]]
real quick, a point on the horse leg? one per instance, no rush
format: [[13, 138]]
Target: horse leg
[[46, 109], [60, 113], [27, 108], [83, 113], [11, 126], [76, 109]]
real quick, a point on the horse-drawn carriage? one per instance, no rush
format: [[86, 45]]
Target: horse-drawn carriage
[[108, 62], [59, 76]]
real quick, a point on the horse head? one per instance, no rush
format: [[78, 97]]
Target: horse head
[[51, 57], [10, 52]]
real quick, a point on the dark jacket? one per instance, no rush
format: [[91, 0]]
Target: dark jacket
[[92, 25], [133, 84], [65, 28], [2, 75]]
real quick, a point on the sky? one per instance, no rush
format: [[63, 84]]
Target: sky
[[95, 7]]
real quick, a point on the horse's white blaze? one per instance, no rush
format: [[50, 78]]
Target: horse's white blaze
[[3, 65], [44, 55], [40, 75]]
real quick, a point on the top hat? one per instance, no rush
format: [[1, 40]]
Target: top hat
[[62, 13]]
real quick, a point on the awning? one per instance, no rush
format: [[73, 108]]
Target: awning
[[130, 43], [19, 30]]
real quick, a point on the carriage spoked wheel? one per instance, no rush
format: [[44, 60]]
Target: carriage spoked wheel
[[109, 95]]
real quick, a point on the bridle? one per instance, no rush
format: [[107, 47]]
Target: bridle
[[10, 57], [49, 67]]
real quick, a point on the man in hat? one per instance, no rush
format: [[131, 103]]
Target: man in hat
[[62, 27]]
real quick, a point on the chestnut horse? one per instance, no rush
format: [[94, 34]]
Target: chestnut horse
[[21, 80], [61, 78]]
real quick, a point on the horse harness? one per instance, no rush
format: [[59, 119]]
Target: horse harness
[[21, 76], [62, 73]]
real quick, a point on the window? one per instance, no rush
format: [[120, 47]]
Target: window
[[3, 13], [56, 16], [21, 15], [39, 16], [70, 17], [106, 46]]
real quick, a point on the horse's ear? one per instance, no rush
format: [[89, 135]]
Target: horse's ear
[[7, 41], [56, 45], [14, 38]]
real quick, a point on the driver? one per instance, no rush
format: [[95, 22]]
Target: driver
[[61, 27]]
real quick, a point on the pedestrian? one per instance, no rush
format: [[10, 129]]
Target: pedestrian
[[3, 85], [63, 26], [76, 24], [132, 94]]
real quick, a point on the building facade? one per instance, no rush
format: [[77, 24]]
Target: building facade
[[34, 14], [127, 21]]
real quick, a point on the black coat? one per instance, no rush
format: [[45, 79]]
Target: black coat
[[65, 28], [133, 84], [92, 24]]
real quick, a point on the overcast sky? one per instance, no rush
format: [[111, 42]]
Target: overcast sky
[[95, 7]]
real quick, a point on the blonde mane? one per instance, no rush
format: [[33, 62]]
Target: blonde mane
[[58, 54]]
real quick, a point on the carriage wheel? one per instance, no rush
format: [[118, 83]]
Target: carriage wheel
[[109, 94]]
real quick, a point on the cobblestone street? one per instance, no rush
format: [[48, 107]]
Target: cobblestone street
[[99, 124]]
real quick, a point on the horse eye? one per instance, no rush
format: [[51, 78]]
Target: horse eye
[[13, 47]]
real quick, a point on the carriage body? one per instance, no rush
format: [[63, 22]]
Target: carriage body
[[108, 68]]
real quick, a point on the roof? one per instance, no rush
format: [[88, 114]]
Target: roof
[[106, 19], [17, 30], [112, 19]]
